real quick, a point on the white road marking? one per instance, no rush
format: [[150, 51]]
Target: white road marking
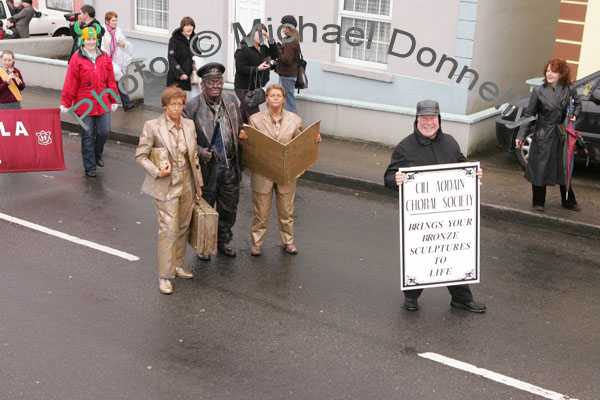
[[496, 377], [70, 238]]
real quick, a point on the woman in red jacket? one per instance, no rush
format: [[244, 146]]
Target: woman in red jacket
[[91, 91], [11, 83]]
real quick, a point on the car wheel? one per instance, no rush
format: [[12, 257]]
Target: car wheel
[[61, 33], [522, 153]]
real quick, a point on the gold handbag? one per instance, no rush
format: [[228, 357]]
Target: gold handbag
[[159, 157]]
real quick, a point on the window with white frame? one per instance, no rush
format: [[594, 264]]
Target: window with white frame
[[373, 17], [152, 14], [60, 5]]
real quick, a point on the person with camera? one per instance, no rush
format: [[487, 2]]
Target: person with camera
[[86, 18], [252, 64], [287, 64]]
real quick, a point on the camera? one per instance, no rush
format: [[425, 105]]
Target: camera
[[71, 17], [272, 63]]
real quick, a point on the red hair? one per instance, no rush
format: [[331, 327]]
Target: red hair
[[110, 15], [560, 66]]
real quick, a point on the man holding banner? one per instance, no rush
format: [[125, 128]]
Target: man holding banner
[[428, 145]]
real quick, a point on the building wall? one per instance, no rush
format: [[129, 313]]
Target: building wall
[[404, 81], [512, 40], [571, 23], [589, 60], [505, 42]]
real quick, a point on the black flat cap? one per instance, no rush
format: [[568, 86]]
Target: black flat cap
[[428, 107], [211, 70]]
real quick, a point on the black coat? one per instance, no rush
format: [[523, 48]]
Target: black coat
[[247, 59], [198, 111], [416, 150], [180, 59], [545, 164]]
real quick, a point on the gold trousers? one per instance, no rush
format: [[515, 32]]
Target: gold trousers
[[285, 215], [174, 218]]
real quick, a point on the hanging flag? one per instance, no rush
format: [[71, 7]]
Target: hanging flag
[[31, 140]]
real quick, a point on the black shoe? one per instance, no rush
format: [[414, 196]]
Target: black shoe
[[100, 163], [91, 174], [128, 107], [227, 250], [204, 257], [411, 304], [472, 306], [574, 207]]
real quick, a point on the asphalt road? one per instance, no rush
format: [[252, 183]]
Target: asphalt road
[[78, 323]]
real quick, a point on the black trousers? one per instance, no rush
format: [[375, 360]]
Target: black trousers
[[226, 196], [539, 196], [460, 293]]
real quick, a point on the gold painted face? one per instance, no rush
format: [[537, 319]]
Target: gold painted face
[[275, 99], [212, 87], [174, 109]]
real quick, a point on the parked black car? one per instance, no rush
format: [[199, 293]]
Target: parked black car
[[588, 122]]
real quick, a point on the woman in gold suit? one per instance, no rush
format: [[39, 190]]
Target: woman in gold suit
[[283, 126], [175, 183]]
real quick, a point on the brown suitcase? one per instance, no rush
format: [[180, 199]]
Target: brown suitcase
[[204, 227]]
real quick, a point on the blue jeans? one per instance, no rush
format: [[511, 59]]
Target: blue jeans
[[125, 100], [288, 84], [93, 139]]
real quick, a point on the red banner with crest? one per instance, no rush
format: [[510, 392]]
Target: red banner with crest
[[31, 140]]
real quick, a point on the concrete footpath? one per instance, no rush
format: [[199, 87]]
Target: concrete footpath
[[359, 166]]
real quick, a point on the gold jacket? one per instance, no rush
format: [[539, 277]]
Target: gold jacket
[[156, 135]]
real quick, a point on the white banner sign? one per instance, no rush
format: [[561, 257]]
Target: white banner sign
[[439, 226]]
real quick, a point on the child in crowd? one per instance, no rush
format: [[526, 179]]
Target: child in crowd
[[11, 31], [11, 83]]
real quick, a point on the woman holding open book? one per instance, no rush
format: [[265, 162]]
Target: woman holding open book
[[283, 126], [168, 153]]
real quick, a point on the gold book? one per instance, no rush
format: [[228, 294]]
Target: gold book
[[204, 228], [278, 162], [159, 157]]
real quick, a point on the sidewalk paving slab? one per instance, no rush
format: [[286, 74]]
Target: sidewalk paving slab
[[359, 166]]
